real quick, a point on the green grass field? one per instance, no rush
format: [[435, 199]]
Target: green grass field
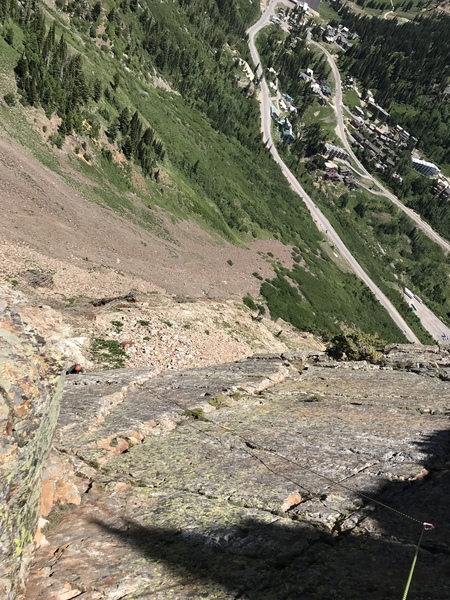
[[327, 13], [351, 99], [403, 9], [325, 116]]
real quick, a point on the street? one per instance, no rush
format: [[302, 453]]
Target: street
[[341, 132]]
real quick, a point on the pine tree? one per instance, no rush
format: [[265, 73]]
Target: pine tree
[[135, 131], [127, 148], [9, 36], [124, 121], [97, 90], [96, 11], [148, 137]]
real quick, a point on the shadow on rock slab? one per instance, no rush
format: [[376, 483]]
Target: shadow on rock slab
[[287, 560]]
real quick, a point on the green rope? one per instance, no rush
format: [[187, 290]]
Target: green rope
[[425, 527], [255, 446]]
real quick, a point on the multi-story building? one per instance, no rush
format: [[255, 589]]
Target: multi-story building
[[424, 167], [332, 151]]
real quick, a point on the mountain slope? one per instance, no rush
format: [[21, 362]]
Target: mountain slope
[[193, 153]]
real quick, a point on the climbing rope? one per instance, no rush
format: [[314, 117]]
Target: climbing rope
[[254, 446], [250, 445], [425, 527]]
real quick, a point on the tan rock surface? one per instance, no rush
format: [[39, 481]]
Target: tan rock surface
[[257, 496]]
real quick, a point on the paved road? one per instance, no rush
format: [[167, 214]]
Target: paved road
[[435, 327], [319, 218], [338, 108]]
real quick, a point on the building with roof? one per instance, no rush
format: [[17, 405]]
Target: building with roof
[[332, 151], [424, 167], [378, 111]]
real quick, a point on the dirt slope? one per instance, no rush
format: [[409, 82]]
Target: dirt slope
[[59, 251], [43, 211]]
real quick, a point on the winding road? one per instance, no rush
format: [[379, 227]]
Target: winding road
[[319, 218], [340, 130]]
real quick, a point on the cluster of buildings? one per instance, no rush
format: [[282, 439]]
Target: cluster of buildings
[[319, 88], [332, 151], [306, 7], [286, 131], [424, 167], [383, 144], [339, 35], [340, 173], [441, 188], [293, 17], [285, 126]]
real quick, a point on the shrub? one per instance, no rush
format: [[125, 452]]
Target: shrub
[[107, 154], [9, 36], [56, 139], [195, 413], [10, 99], [249, 302], [220, 401], [108, 353], [117, 326], [261, 309], [356, 345]]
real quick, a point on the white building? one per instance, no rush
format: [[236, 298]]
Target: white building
[[424, 167], [332, 151]]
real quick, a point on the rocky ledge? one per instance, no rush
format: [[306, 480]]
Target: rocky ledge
[[279, 477], [31, 378]]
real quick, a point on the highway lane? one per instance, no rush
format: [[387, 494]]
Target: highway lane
[[341, 131], [435, 327], [319, 218]]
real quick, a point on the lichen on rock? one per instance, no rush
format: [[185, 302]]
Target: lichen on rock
[[31, 380], [261, 498]]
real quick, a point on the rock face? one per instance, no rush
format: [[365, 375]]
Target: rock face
[[30, 393], [273, 478]]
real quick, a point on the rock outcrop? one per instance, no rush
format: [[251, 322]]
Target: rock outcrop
[[277, 477], [31, 383]]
